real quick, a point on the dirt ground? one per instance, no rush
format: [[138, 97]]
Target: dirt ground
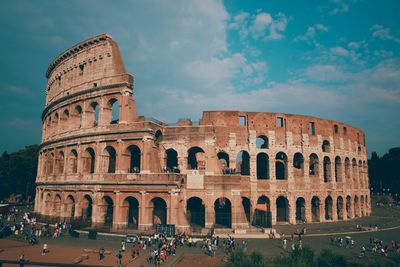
[[198, 261]]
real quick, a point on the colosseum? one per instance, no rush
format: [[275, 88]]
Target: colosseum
[[103, 164]]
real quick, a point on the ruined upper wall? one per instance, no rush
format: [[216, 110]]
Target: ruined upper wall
[[298, 125], [92, 63]]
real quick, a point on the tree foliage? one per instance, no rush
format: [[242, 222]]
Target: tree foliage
[[18, 172]]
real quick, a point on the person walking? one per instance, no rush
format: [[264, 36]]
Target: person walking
[[101, 253], [45, 249], [284, 243], [119, 258]]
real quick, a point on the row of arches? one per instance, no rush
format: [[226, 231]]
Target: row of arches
[[259, 214], [78, 116]]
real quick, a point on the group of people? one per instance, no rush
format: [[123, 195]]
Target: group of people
[[174, 169], [339, 241], [379, 247]]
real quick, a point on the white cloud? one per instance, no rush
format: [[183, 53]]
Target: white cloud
[[340, 6], [339, 51], [382, 33], [261, 26], [311, 32]]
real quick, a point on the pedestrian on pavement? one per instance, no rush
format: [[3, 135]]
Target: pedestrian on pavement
[[119, 258], [45, 248], [284, 243], [101, 253]]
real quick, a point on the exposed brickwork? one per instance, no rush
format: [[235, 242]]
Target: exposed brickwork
[[125, 172]]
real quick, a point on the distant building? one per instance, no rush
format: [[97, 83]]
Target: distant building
[[103, 164]]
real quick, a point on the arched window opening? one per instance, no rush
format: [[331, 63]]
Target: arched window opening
[[87, 206], [347, 168], [55, 123], [246, 204], [196, 158], [70, 207], [281, 170], [356, 207], [335, 129], [327, 169], [348, 207], [262, 142], [315, 209], [109, 210], [159, 211], [243, 163], [262, 216], [60, 163], [262, 166], [282, 209], [362, 205], [158, 136], [300, 210], [196, 212], [354, 170], [359, 151], [339, 207], [326, 147], [360, 173], [109, 159], [172, 161], [338, 169], [223, 162], [223, 213], [96, 113], [64, 119], [135, 155], [314, 165], [78, 116], [50, 163], [132, 206], [114, 104], [328, 208], [298, 165], [73, 161], [89, 160], [57, 206]]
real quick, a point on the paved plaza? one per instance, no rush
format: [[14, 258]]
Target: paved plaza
[[66, 249]]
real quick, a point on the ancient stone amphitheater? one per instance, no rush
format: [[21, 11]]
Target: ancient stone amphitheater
[[104, 165]]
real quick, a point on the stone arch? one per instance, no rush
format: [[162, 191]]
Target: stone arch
[[158, 136], [339, 208], [298, 165], [282, 209], [131, 207], [327, 169], [362, 211], [113, 105], [77, 116], [134, 158], [47, 203], [89, 159], [262, 215], [354, 171], [356, 207], [243, 163], [223, 161], [73, 162], [93, 114], [65, 119], [262, 142], [360, 174], [314, 165], [196, 158], [55, 123], [159, 211], [59, 163], [300, 209], [338, 169], [281, 168], [246, 204], [328, 208], [223, 212], [262, 166], [108, 205], [171, 160], [57, 205], [109, 157], [195, 210], [87, 208], [315, 209], [326, 146], [49, 163], [348, 207], [347, 168], [70, 207]]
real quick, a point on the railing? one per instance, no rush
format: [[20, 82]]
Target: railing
[[36, 263]]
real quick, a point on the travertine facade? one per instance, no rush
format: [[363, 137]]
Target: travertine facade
[[103, 163]]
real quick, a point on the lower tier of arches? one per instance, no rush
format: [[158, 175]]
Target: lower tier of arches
[[196, 210]]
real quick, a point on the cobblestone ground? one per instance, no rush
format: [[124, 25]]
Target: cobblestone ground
[[65, 249]]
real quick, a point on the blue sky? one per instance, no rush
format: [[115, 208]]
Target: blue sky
[[333, 59]]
